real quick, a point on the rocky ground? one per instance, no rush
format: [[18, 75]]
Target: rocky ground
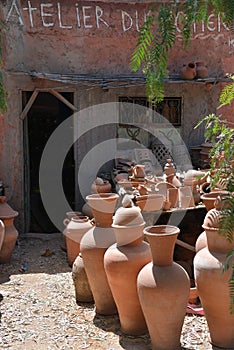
[[38, 309]]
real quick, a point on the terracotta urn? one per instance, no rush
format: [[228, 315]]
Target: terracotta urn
[[75, 230], [93, 246], [201, 70], [208, 199], [2, 233], [101, 186], [150, 202], [201, 241], [138, 171], [7, 215], [83, 291], [188, 71], [213, 283], [163, 286], [123, 261]]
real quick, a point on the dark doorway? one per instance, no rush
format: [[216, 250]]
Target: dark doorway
[[45, 115]]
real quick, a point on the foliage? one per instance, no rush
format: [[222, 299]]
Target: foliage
[[221, 157], [158, 35]]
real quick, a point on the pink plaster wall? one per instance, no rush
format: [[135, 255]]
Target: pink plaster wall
[[99, 37]]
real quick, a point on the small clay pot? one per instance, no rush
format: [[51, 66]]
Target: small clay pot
[[188, 71]]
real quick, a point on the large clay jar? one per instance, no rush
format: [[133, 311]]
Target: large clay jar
[[2, 233], [201, 70], [163, 289], [75, 230], [213, 284], [7, 215], [93, 246], [188, 71], [122, 262], [83, 291]]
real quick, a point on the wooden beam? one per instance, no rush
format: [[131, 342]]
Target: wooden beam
[[29, 104], [63, 99]]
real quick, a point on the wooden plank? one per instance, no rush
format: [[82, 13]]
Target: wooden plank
[[63, 99], [29, 104]]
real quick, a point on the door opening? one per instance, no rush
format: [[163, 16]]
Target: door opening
[[45, 115]]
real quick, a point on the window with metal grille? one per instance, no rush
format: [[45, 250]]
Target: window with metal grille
[[170, 108]]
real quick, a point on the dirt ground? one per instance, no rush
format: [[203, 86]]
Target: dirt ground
[[38, 309]]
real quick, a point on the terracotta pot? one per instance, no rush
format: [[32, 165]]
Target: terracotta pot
[[201, 70], [83, 291], [73, 233], [208, 199], [104, 187], [103, 207], [152, 202], [138, 171], [163, 285], [186, 197], [122, 264], [7, 215], [201, 241], [173, 179], [173, 196], [2, 233], [71, 214], [193, 295], [93, 246], [123, 261], [212, 283], [188, 71]]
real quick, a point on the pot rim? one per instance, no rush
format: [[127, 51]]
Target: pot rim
[[127, 226], [171, 230]]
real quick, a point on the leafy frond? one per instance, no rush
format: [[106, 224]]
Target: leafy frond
[[227, 94]]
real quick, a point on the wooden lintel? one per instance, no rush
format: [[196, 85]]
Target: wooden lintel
[[63, 99], [29, 104]]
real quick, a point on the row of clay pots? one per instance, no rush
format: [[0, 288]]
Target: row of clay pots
[[194, 70], [116, 260], [114, 256], [9, 235]]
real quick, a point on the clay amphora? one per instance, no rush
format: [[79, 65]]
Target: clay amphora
[[201, 70], [123, 261], [83, 291], [75, 230], [7, 215], [2, 233], [93, 246], [213, 284], [163, 286], [188, 71]]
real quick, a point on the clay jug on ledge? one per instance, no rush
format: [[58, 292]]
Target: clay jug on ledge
[[188, 71]]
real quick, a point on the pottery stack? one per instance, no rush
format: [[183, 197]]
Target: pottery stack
[[93, 246], [123, 261]]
